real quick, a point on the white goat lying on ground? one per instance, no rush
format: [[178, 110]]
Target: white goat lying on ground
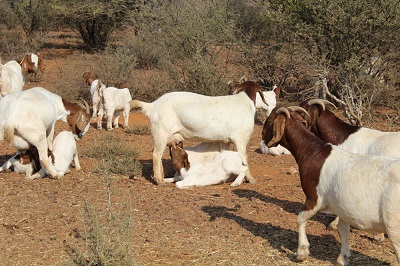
[[64, 153], [114, 100], [364, 191], [210, 172], [204, 151], [275, 151], [23, 162], [193, 116]]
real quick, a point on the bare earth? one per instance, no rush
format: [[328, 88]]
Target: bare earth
[[214, 225]]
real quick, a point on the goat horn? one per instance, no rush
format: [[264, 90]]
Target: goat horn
[[321, 102], [262, 96], [298, 108], [86, 106], [283, 110]]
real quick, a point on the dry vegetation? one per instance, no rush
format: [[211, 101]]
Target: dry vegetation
[[99, 217]]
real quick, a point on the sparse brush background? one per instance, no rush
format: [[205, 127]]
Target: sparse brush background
[[199, 46]]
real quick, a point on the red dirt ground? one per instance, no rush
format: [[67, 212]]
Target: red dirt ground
[[253, 224]]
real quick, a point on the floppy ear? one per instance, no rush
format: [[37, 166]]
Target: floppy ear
[[278, 130]]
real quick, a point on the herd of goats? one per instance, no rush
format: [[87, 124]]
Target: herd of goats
[[349, 171]]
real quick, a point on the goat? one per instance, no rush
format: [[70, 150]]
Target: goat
[[329, 128], [362, 190], [12, 79], [23, 162], [275, 151], [114, 100], [271, 97], [210, 172], [204, 151], [32, 63], [228, 118], [27, 119], [64, 153], [95, 86]]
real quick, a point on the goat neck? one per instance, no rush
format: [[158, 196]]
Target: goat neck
[[327, 126], [309, 151], [251, 88]]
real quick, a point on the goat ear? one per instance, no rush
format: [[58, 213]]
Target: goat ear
[[278, 130]]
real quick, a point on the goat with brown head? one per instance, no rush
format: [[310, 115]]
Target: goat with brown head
[[79, 117]]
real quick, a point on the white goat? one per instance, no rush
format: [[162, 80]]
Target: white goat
[[64, 153], [95, 86], [210, 172], [23, 162], [204, 151], [364, 191], [275, 151], [12, 79], [27, 118], [115, 100], [194, 116]]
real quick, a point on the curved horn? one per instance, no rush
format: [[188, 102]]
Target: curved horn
[[321, 102], [298, 108], [86, 106], [262, 96], [283, 110]]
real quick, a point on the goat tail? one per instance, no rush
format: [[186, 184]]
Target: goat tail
[[9, 134], [142, 107]]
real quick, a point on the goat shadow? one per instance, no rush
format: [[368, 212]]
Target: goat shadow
[[147, 169], [283, 239], [292, 207]]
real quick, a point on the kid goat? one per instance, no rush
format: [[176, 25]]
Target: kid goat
[[364, 191], [214, 171], [27, 119], [189, 115]]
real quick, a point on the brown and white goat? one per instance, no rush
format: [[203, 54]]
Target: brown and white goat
[[364, 191], [209, 172], [228, 119], [32, 63], [27, 118]]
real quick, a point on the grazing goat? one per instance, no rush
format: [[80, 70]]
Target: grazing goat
[[64, 153], [271, 97], [275, 151], [362, 190], [32, 63], [329, 128], [114, 100], [189, 115], [210, 172], [12, 79], [27, 119]]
